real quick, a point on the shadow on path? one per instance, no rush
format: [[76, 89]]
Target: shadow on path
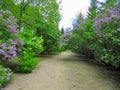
[[67, 71]]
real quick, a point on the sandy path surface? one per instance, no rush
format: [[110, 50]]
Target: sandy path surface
[[67, 71]]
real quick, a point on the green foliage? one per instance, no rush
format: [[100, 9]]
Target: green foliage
[[99, 38], [108, 38], [5, 76], [107, 50], [48, 28], [110, 3], [32, 45], [83, 38], [62, 31], [44, 20], [93, 8], [38, 28], [27, 62], [61, 48], [31, 41], [9, 42]]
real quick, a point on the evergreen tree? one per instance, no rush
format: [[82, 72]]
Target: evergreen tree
[[80, 19], [62, 31], [93, 8], [110, 3]]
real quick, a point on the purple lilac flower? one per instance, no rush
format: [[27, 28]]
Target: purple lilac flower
[[2, 88], [97, 22], [9, 74], [3, 45], [14, 54], [12, 28], [1, 15], [21, 43], [19, 51], [8, 78], [1, 51], [106, 19], [11, 49], [118, 29], [6, 56], [13, 41], [13, 18], [8, 12], [7, 21], [110, 14], [115, 14]]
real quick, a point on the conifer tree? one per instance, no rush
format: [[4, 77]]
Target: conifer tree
[[93, 8]]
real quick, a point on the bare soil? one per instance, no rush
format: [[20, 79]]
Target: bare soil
[[67, 71]]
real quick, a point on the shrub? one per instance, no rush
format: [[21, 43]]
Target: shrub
[[107, 27], [61, 48], [32, 45], [83, 38], [27, 62], [12, 45], [32, 42], [5, 76], [9, 42]]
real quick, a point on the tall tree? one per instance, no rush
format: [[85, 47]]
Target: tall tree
[[93, 8], [6, 4], [40, 16], [62, 31], [49, 28], [80, 19], [110, 3]]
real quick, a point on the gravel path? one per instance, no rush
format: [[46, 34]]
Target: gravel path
[[67, 71]]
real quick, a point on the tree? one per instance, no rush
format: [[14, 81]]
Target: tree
[[80, 19], [93, 8], [48, 28], [62, 31], [40, 16], [110, 3]]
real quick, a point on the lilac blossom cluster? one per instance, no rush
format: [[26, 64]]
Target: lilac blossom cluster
[[5, 76], [9, 45], [111, 14]]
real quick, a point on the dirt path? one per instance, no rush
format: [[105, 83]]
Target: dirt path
[[67, 71]]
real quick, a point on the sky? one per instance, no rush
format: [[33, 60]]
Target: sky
[[70, 10]]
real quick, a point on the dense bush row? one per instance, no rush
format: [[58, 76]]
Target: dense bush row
[[27, 28], [5, 76], [98, 36]]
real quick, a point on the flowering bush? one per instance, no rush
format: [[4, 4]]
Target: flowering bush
[[11, 45], [107, 27], [83, 38], [5, 75], [9, 42], [31, 41], [32, 45], [110, 17], [27, 62], [99, 38]]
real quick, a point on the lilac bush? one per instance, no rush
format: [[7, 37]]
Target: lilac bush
[[107, 28], [9, 41], [109, 17], [5, 76]]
